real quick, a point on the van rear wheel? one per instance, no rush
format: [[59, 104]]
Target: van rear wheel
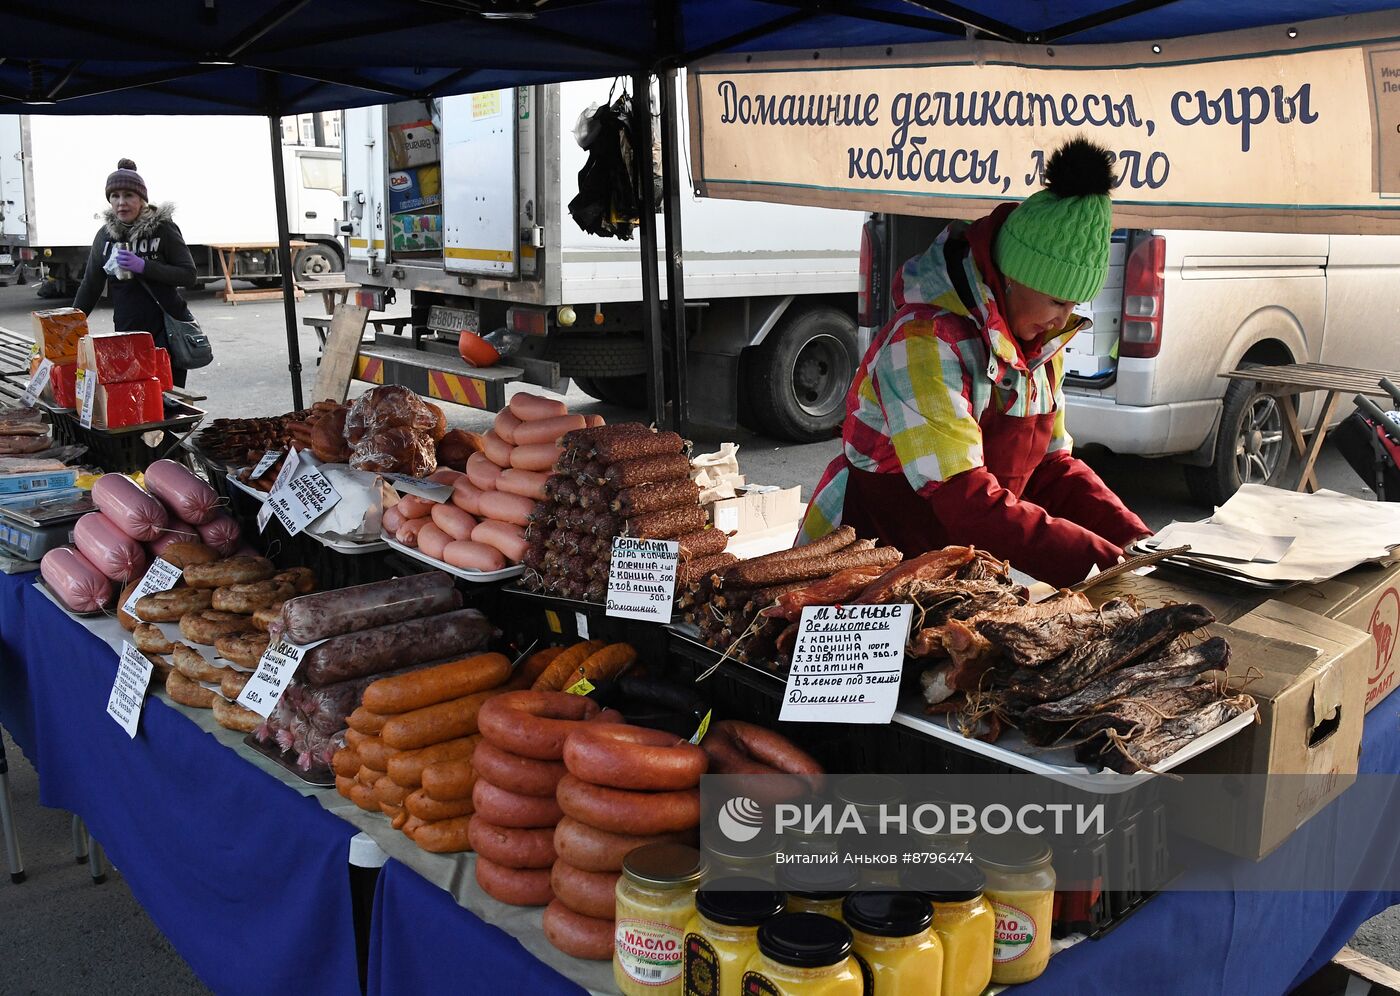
[[1251, 447], [795, 383]]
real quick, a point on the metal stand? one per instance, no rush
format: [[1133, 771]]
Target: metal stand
[[651, 278], [80, 841], [676, 330], [7, 822], [284, 259], [86, 850]]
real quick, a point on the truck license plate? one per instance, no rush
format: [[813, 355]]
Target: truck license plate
[[453, 319], [6, 259]]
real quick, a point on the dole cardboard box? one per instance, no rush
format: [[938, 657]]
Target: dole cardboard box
[[411, 189], [1307, 674], [413, 144], [1366, 597], [118, 357], [757, 509], [57, 331]]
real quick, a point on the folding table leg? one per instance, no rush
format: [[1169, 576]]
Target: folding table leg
[[7, 821], [97, 866], [80, 839], [1307, 479]]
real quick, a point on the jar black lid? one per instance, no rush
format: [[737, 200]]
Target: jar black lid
[[956, 884], [805, 940], [739, 902], [818, 881], [887, 914]]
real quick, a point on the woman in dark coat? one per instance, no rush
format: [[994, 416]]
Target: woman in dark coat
[[158, 260]]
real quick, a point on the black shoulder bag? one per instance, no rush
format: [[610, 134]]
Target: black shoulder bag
[[189, 346]]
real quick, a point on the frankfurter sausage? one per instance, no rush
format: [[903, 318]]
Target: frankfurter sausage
[[446, 475], [534, 724], [375, 753], [467, 496], [133, 511], [414, 507], [365, 720], [586, 892], [367, 776], [448, 781], [390, 792], [107, 548], [595, 421], [453, 521], [343, 785], [411, 826], [432, 540], [505, 537], [633, 757], [444, 836], [406, 767], [516, 886], [435, 723], [481, 472], [537, 456], [472, 556], [510, 809], [512, 847], [78, 585], [497, 450], [358, 655], [548, 430], [536, 408], [432, 685], [597, 850], [362, 795], [522, 775], [408, 532], [505, 508], [187, 496], [346, 763], [525, 483], [392, 520], [428, 809], [622, 811], [506, 424], [577, 935]]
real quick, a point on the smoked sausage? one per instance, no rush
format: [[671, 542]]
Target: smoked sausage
[[522, 775], [621, 811], [358, 655], [577, 935], [509, 809], [534, 724], [633, 757], [597, 850], [513, 847], [516, 886], [586, 892]]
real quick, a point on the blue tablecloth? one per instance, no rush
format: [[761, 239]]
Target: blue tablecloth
[[217, 852]]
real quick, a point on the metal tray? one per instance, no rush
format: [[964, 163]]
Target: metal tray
[[52, 595], [319, 776], [477, 577], [178, 416]]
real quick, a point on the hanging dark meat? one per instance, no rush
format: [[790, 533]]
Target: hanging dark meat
[[1173, 670], [1031, 641]]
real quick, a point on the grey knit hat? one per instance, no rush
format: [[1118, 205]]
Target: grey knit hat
[[126, 178]]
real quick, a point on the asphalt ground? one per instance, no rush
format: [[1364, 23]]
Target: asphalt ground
[[60, 934]]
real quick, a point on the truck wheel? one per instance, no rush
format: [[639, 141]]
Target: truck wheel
[[1250, 448], [317, 261], [796, 381], [625, 392], [597, 357]]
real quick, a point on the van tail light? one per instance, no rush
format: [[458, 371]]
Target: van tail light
[[865, 312], [1143, 285]]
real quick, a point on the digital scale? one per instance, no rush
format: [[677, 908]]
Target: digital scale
[[31, 529]]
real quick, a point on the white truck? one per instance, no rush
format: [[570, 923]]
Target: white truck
[[474, 226], [1180, 308], [216, 170]]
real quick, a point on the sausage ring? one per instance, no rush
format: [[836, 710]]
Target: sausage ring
[[232, 716], [188, 693], [533, 724], [161, 665], [343, 785], [430, 810], [577, 935], [264, 618], [248, 598], [128, 622], [516, 886], [633, 757], [621, 811], [193, 665], [597, 850], [510, 809], [512, 847], [523, 775], [169, 606], [245, 648], [586, 892], [183, 553], [363, 796], [231, 684], [764, 746], [234, 570], [150, 640], [302, 579], [206, 626]]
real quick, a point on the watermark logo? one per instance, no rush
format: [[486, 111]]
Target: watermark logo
[[740, 819]]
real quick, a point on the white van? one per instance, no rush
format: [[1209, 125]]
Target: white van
[[1179, 309]]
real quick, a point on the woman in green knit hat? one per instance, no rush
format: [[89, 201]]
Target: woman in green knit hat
[[955, 423]]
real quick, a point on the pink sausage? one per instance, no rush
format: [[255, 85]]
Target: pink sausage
[[432, 541], [393, 518], [537, 456], [78, 585], [548, 430], [472, 556], [595, 420], [534, 408], [525, 483], [413, 507], [177, 533], [505, 425], [445, 475], [107, 548], [222, 533], [497, 450], [187, 496], [139, 515], [467, 497], [503, 536], [453, 521], [482, 472], [506, 508], [408, 532]]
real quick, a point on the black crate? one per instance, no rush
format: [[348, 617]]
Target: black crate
[[125, 450], [549, 619]]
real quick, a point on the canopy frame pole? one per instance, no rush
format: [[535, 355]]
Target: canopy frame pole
[[668, 81], [284, 259], [651, 277]]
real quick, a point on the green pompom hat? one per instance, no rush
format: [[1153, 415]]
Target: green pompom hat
[[1057, 240]]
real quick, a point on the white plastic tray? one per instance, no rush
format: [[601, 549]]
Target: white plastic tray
[[1059, 764], [259, 496], [477, 577], [351, 547]]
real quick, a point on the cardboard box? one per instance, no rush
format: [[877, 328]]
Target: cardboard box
[[411, 189], [1080, 365], [413, 144], [1307, 674], [755, 511], [118, 357], [1092, 344], [1366, 597], [57, 331], [415, 232]]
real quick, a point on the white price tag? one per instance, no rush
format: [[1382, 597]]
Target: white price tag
[[418, 487], [37, 383], [275, 669], [268, 459], [642, 578], [581, 625], [846, 664], [129, 688], [303, 501], [162, 575], [87, 396]]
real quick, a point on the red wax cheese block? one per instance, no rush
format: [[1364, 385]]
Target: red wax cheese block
[[134, 402], [63, 384], [118, 357], [163, 374]]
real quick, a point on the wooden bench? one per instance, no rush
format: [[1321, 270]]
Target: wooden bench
[[322, 325]]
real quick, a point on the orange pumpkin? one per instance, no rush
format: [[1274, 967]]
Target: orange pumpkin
[[476, 350]]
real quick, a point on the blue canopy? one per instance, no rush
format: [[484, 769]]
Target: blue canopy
[[271, 57]]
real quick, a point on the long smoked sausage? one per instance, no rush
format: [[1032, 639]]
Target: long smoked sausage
[[534, 724], [516, 886], [621, 811], [522, 775], [633, 757], [586, 892], [510, 809], [597, 850], [513, 847]]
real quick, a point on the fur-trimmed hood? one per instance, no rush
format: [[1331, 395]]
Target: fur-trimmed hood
[[152, 216]]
